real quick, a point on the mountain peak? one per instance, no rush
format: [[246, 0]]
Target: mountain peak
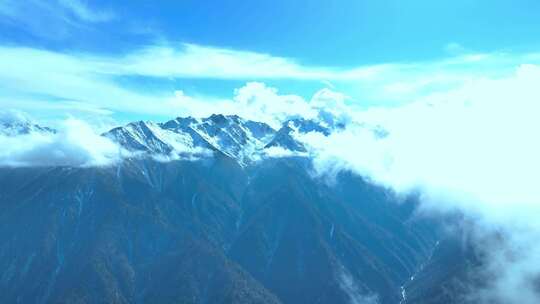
[[229, 134], [15, 123], [232, 135], [221, 119], [218, 118]]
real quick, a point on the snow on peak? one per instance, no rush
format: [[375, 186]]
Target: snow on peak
[[230, 135], [235, 136], [13, 123], [153, 138], [239, 138]]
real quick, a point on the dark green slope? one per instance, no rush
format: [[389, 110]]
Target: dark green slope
[[203, 232]]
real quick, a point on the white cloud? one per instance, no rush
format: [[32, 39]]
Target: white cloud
[[454, 48], [12, 116], [255, 101], [75, 144], [38, 80], [259, 102], [486, 126], [472, 149], [81, 10], [53, 20], [278, 152], [189, 60], [330, 106]]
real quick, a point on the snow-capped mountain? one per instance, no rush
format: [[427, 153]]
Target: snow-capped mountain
[[146, 136], [231, 135], [14, 128], [144, 230]]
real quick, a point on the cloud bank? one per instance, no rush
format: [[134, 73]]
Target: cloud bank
[[474, 150], [477, 141], [75, 144]]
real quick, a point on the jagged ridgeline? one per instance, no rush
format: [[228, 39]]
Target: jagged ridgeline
[[220, 223], [231, 135]]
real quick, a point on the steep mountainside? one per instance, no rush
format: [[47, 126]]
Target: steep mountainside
[[141, 232], [221, 227]]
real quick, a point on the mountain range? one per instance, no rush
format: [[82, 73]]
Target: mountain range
[[232, 136], [216, 210]]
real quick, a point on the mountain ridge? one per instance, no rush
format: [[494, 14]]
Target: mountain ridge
[[231, 135], [221, 227]]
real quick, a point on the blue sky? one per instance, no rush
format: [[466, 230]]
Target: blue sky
[[123, 59]]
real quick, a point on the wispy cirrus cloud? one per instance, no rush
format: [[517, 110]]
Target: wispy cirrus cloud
[[37, 78], [83, 12], [52, 20], [64, 10]]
